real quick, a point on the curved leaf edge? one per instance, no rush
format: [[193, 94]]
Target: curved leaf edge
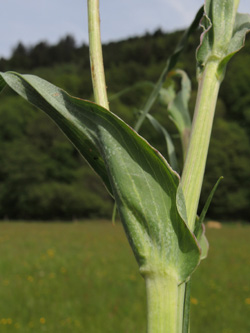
[[243, 34], [156, 152], [181, 207], [206, 25], [97, 162]]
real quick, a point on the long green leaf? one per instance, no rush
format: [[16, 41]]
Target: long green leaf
[[80, 135], [143, 184]]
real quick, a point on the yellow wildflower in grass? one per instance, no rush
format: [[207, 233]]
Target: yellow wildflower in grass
[[66, 322], [17, 326], [6, 321], [51, 253], [194, 301], [42, 320], [63, 270], [77, 323], [52, 275], [30, 278], [6, 282], [247, 301]]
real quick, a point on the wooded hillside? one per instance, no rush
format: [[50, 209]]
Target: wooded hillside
[[42, 176]]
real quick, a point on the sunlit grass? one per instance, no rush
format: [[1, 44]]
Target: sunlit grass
[[222, 284], [82, 277]]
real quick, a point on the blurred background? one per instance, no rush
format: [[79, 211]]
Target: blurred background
[[43, 177]]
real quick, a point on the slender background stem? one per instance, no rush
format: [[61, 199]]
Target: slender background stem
[[96, 58]]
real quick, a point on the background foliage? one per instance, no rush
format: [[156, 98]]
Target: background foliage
[[43, 177]]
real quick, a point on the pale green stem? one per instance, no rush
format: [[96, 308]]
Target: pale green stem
[[163, 309], [96, 58], [195, 162]]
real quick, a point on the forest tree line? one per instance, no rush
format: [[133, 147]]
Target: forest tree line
[[42, 175]]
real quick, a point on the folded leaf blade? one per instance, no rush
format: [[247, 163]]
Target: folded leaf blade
[[141, 181], [224, 34], [82, 139]]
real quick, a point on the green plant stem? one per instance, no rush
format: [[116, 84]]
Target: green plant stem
[[163, 309], [195, 162], [96, 58]]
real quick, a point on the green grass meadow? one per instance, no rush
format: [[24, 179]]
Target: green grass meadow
[[82, 277]]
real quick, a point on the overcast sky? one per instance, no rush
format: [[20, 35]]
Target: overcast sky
[[32, 21]]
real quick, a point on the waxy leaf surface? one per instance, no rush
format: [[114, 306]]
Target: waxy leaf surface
[[143, 184]]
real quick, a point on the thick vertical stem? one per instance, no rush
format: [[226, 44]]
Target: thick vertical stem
[[96, 58], [195, 162], [162, 305]]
